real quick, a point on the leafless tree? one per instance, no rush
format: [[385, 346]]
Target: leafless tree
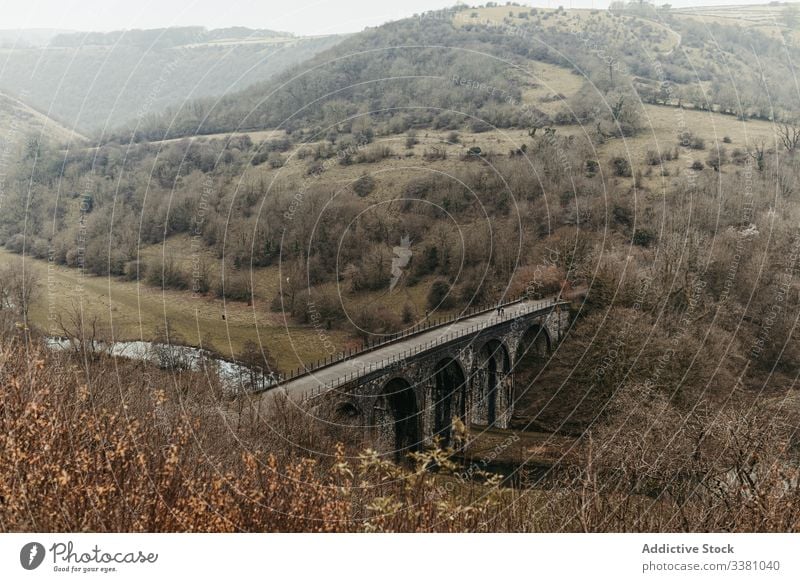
[[168, 349], [19, 288], [259, 363], [84, 331], [757, 154], [789, 136]]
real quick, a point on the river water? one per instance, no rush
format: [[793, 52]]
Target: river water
[[234, 377]]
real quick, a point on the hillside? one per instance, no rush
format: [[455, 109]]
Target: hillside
[[443, 68], [19, 122], [773, 18], [528, 176], [95, 81], [27, 38]]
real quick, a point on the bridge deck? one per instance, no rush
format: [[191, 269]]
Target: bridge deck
[[363, 363]]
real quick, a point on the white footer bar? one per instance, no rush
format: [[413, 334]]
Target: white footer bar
[[404, 557]]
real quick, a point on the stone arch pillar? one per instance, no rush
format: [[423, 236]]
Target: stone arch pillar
[[532, 350], [448, 398], [492, 387], [397, 419]]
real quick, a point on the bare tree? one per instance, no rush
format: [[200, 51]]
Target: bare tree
[[789, 136], [168, 349], [83, 331], [757, 154], [260, 366], [19, 288]]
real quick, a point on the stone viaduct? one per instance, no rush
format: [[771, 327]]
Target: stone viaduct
[[408, 390]]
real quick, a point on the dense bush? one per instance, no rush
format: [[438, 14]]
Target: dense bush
[[621, 167], [166, 274], [440, 295], [364, 185]]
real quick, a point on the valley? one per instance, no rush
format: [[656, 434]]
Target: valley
[[600, 207]]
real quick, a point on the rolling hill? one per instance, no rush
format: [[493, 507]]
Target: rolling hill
[[413, 73], [19, 122], [93, 81]]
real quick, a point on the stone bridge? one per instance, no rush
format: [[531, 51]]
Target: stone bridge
[[408, 390]]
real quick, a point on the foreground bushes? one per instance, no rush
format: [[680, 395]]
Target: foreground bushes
[[118, 446], [97, 451]]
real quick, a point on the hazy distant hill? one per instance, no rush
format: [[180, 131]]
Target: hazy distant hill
[[19, 122], [27, 38], [165, 37], [95, 80]]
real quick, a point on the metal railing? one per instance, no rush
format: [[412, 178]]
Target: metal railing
[[368, 346], [367, 368]]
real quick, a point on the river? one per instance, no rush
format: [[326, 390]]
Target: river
[[234, 377]]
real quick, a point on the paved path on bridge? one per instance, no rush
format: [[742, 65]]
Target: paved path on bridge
[[336, 374]]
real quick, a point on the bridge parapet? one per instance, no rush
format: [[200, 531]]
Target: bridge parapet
[[416, 330], [449, 334]]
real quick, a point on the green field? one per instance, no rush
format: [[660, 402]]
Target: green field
[[131, 311], [135, 311]]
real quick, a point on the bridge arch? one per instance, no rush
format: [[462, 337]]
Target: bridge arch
[[449, 397], [493, 380], [530, 358], [397, 417], [534, 342], [347, 411]]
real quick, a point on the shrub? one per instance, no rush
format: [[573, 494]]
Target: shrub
[[236, 286], [135, 271], [435, 153], [364, 185], [16, 243], [375, 320], [621, 167], [373, 154], [439, 296], [315, 167], [643, 237], [275, 160], [689, 140], [653, 158], [479, 126], [622, 215], [739, 156], [417, 188], [281, 144], [166, 274], [717, 159], [153, 471], [40, 248]]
